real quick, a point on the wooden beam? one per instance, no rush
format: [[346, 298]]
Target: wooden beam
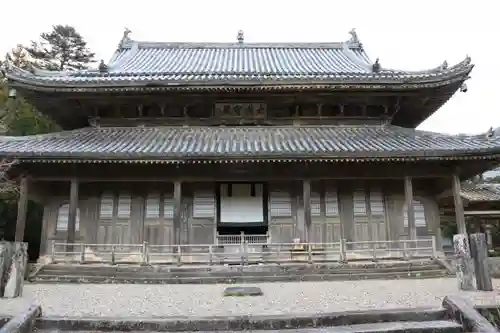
[[306, 194], [22, 209], [459, 207], [222, 178], [177, 211], [412, 229], [482, 212], [72, 213]]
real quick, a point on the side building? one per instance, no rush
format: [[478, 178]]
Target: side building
[[183, 143]]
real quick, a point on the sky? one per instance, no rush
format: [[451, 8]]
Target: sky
[[411, 34]]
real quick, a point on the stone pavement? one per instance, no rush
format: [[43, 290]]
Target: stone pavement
[[147, 301]]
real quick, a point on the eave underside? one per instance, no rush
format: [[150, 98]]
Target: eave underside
[[408, 106], [270, 170]]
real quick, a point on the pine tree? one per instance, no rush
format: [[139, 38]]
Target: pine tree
[[63, 48], [18, 117], [19, 57]]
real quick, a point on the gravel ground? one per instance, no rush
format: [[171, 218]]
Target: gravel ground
[[74, 300]]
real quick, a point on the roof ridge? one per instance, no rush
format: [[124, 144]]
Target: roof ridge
[[214, 45]]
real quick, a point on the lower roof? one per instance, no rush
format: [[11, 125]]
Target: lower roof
[[179, 144], [481, 192]]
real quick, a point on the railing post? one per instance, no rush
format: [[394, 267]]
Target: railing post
[[242, 237], [309, 253], [216, 240], [210, 255], [179, 255], [145, 254], [343, 253], [82, 253], [113, 258], [278, 254], [405, 254], [434, 248], [242, 252], [53, 251], [374, 252]]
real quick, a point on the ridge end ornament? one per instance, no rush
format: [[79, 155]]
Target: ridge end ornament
[[126, 37], [376, 67], [354, 36]]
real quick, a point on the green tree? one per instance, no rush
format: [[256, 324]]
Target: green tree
[[63, 48], [17, 116]]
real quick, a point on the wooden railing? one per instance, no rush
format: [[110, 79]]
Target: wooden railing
[[243, 238], [243, 253]]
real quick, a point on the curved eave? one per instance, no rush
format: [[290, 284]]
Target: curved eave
[[449, 155], [190, 82], [230, 160]]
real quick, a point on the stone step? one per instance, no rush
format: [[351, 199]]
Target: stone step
[[437, 326], [208, 279], [256, 323], [224, 271], [284, 266], [266, 273]]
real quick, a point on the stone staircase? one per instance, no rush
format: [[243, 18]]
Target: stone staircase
[[420, 320], [73, 273]]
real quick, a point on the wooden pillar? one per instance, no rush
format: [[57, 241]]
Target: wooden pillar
[[72, 213], [177, 211], [306, 193], [22, 209], [410, 211], [489, 238], [459, 207]]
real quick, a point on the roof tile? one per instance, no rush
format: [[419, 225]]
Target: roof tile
[[177, 63], [365, 141], [481, 193]]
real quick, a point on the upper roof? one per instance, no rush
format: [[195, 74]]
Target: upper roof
[[181, 144], [136, 65]]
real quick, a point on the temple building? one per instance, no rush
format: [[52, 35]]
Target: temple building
[[180, 143]]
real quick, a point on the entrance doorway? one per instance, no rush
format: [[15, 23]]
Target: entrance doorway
[[242, 208]]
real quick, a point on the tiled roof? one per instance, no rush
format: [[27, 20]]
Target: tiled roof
[[201, 64], [481, 192], [375, 142]]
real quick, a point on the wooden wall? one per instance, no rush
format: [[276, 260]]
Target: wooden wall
[[131, 214]]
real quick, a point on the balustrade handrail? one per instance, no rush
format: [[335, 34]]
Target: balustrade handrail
[[243, 238], [244, 253]]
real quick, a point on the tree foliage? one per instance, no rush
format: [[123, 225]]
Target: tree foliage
[[60, 49], [63, 48], [17, 116]]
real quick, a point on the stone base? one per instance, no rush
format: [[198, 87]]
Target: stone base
[[243, 291]]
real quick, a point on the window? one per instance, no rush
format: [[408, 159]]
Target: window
[[331, 204], [106, 209], [315, 204], [203, 204], [359, 202], [63, 218], [124, 206], [153, 206], [168, 206], [419, 210], [153, 203], [377, 203], [280, 204]]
